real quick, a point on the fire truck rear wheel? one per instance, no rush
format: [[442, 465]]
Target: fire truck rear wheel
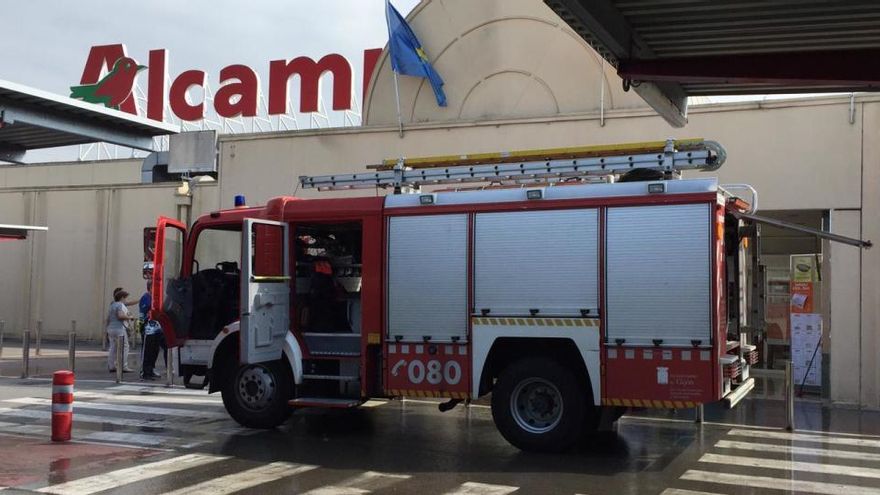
[[539, 405], [257, 395]]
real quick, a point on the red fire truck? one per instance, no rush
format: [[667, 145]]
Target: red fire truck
[[579, 283]]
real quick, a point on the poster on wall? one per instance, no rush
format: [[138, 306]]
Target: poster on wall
[[803, 277], [806, 326], [806, 338]]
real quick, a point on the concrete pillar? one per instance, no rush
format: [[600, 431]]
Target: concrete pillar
[[36, 214], [870, 259], [101, 298], [843, 275]]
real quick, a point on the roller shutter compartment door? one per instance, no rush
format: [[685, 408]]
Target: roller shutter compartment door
[[658, 274], [544, 260], [427, 277]]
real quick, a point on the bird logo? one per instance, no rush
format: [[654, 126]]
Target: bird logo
[[114, 88]]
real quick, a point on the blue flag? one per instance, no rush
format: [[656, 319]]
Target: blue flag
[[407, 56]]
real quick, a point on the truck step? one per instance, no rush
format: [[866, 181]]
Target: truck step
[[328, 402], [339, 378], [332, 344]]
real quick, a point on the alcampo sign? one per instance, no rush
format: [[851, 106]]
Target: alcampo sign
[[238, 93]]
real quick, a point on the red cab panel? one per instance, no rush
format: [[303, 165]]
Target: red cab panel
[[659, 377], [427, 370]]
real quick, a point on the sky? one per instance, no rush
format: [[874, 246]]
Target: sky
[[45, 42]]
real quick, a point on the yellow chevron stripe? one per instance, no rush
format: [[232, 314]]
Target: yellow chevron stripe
[[658, 404], [545, 322]]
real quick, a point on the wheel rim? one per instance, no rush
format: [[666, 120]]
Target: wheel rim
[[536, 405], [256, 387]]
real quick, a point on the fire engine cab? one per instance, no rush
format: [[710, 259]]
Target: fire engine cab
[[572, 285]]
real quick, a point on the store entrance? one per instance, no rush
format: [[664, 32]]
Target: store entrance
[[796, 306]]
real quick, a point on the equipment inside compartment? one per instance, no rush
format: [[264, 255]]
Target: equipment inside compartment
[[328, 277]]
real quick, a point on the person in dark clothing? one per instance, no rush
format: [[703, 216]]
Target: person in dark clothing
[[153, 338]]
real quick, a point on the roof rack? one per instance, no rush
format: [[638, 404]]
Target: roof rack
[[527, 166]]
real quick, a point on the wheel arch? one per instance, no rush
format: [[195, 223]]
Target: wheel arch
[[504, 350], [225, 350]]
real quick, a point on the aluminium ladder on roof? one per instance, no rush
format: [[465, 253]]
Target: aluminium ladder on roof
[[524, 166]]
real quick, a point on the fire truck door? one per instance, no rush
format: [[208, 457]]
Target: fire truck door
[[171, 305], [265, 290]]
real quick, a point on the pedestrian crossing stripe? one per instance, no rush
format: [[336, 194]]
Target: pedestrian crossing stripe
[[658, 404], [537, 322], [786, 449], [243, 480], [394, 392], [135, 409], [474, 488], [679, 491], [360, 483], [208, 400], [809, 437], [365, 482], [786, 484], [787, 465], [115, 479]]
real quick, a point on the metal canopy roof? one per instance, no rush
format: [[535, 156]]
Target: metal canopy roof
[[12, 232], [34, 119], [667, 50]]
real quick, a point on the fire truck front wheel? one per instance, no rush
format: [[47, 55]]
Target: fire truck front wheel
[[538, 405], [257, 395]]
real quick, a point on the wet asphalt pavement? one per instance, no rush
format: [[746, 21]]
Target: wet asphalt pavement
[[138, 438]]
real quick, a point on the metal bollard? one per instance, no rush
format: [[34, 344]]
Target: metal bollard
[[698, 416], [789, 395], [71, 350], [169, 368], [26, 354], [39, 337], [71, 346], [120, 358], [2, 334]]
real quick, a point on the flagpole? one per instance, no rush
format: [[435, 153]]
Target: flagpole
[[396, 83], [397, 97]]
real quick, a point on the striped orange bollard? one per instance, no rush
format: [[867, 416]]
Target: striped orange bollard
[[62, 405]]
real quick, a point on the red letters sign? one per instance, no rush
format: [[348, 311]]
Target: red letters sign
[[239, 90]]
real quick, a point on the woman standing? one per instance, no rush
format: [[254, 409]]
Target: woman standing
[[117, 321]]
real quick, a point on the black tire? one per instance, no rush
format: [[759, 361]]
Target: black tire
[[550, 402], [256, 395], [592, 420]]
